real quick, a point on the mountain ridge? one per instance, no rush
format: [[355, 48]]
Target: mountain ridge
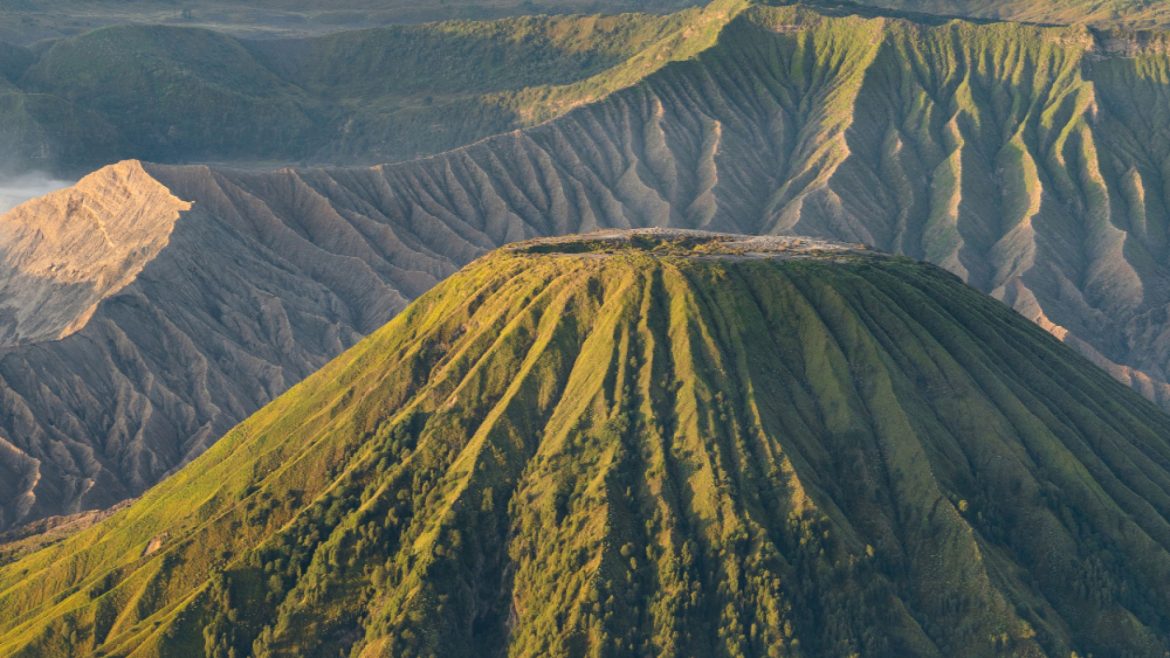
[[183, 94], [43, 256], [1124, 14], [1026, 159], [180, 94]]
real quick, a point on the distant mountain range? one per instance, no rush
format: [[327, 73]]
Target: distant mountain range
[[231, 90], [181, 94], [33, 22], [651, 443]]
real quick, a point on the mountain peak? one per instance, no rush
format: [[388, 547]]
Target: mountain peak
[[651, 442], [66, 251]]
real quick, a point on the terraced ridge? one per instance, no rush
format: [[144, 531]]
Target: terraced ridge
[[1030, 161], [659, 443]]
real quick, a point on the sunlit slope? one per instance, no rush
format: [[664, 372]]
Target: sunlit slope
[[137, 328], [652, 444]]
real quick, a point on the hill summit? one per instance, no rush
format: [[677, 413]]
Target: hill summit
[[666, 443]]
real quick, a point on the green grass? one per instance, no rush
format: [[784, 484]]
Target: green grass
[[655, 447], [175, 94]]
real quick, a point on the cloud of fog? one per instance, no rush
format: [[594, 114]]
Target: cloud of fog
[[17, 189]]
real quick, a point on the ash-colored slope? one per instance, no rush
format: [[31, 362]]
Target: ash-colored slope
[[242, 302], [1030, 161], [652, 444], [67, 251]]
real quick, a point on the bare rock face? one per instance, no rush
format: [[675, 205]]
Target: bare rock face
[[1028, 161], [67, 251]]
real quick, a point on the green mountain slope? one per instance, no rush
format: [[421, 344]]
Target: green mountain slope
[[652, 443], [30, 21], [179, 94], [188, 91]]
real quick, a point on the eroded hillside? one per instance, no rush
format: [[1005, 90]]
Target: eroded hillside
[[1030, 161], [67, 251]]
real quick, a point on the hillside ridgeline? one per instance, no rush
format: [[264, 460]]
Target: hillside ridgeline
[[170, 93]]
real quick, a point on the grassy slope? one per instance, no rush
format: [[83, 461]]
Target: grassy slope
[[650, 452], [180, 94], [29, 21]]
